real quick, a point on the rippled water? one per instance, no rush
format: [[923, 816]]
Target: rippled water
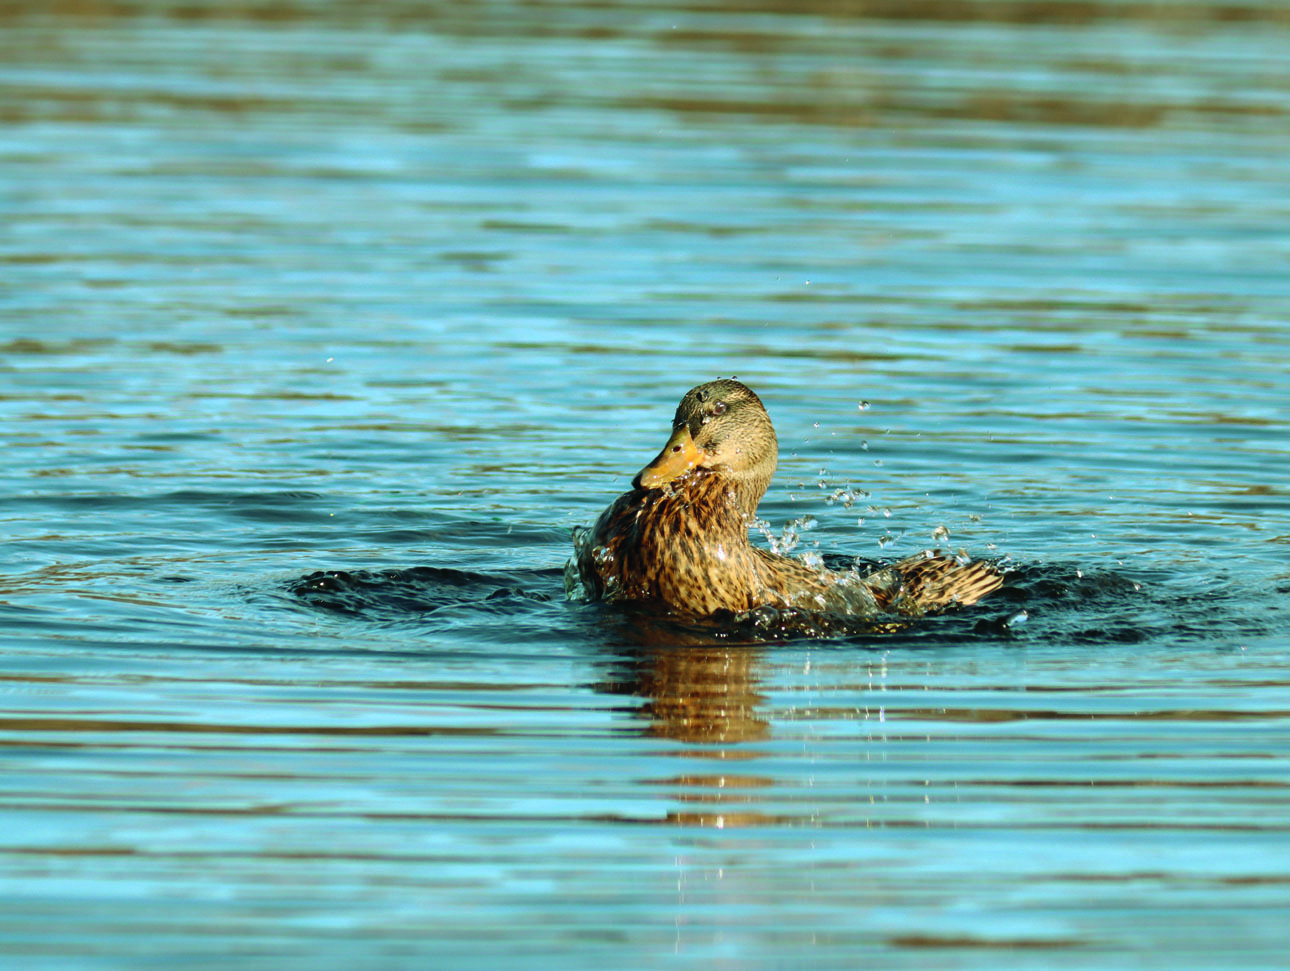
[[323, 324]]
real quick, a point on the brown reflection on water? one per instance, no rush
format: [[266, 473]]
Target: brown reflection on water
[[705, 695], [864, 108], [863, 81], [1074, 12]]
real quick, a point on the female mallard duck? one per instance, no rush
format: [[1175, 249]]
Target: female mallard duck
[[680, 537]]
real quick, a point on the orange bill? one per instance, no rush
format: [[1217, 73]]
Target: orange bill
[[679, 456]]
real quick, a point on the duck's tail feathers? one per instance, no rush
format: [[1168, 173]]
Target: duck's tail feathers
[[932, 579]]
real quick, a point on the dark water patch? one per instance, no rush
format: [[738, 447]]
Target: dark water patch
[[1150, 606], [31, 346], [184, 348], [181, 437], [387, 595]]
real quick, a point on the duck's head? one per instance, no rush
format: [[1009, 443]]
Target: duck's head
[[720, 426]]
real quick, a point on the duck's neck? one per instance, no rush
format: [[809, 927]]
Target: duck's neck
[[747, 489], [719, 503]]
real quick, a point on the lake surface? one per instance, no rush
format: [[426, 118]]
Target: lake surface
[[322, 325]]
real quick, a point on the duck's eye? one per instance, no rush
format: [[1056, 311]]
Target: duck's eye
[[719, 408]]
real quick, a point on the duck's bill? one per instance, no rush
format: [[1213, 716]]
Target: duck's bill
[[678, 457]]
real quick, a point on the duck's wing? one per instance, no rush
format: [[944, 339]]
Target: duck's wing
[[930, 580]]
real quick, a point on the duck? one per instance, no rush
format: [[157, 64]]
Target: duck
[[680, 538]]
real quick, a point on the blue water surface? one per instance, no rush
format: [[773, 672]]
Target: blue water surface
[[323, 324]]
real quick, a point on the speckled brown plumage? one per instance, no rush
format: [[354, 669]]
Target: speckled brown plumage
[[680, 537]]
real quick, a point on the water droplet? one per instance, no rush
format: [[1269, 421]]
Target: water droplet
[[940, 534], [1017, 619], [864, 446], [885, 540], [864, 406], [816, 425], [877, 463], [886, 513]]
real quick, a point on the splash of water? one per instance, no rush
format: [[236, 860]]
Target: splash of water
[[575, 587], [847, 496], [790, 537]]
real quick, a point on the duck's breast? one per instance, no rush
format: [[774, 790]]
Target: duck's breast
[[687, 548]]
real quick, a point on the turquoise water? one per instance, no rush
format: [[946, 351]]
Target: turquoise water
[[399, 294]]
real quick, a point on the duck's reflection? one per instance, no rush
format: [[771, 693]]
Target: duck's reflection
[[701, 695], [706, 697]]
